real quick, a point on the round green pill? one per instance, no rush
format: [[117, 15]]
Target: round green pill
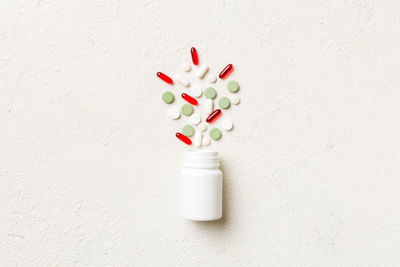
[[224, 102], [187, 109], [233, 86], [168, 97], [215, 133], [210, 93], [188, 130]]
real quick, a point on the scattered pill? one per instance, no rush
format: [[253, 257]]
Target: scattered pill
[[202, 71], [235, 99], [210, 93], [215, 133], [189, 99], [165, 78], [226, 124], [186, 67], [188, 130], [168, 97], [196, 91], [233, 86], [226, 71], [202, 127], [209, 106], [212, 78], [195, 57], [187, 109], [224, 102], [194, 119], [206, 141], [184, 138], [182, 81], [174, 113], [198, 136], [214, 116]]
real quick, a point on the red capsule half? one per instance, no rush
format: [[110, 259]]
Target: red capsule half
[[214, 116], [226, 71], [195, 57], [165, 78], [184, 138], [189, 99]]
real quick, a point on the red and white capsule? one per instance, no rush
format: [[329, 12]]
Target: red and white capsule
[[165, 78], [189, 99], [184, 138], [226, 71]]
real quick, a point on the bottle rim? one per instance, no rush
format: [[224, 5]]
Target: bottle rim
[[202, 159]]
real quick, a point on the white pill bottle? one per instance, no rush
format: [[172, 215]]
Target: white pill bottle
[[201, 186]]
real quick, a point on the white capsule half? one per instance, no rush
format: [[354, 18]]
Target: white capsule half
[[202, 71], [209, 106], [198, 137], [182, 81]]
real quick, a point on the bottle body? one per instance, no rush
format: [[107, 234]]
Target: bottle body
[[201, 182]]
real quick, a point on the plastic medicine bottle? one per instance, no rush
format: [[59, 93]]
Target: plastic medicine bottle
[[201, 186]]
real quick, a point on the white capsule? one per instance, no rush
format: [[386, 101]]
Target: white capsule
[[235, 99], [186, 67], [182, 81], [202, 127], [197, 139], [212, 78], [206, 141], [226, 124], [196, 91], [209, 106], [202, 71], [194, 119], [174, 113]]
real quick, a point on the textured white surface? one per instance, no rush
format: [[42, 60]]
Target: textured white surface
[[89, 175]]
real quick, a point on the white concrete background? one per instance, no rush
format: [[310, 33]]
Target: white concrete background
[[89, 163]]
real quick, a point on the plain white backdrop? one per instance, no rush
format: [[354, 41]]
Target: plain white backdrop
[[89, 164]]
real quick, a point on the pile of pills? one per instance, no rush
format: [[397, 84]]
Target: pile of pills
[[194, 131]]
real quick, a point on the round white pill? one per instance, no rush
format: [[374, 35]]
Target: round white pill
[[194, 119], [235, 99], [212, 78], [174, 113], [206, 141], [196, 91], [226, 124], [202, 127], [186, 67]]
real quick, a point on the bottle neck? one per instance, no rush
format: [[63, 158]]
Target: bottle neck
[[201, 159]]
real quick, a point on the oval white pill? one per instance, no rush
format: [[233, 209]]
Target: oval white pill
[[206, 141], [212, 78], [194, 119], [202, 71], [174, 113], [226, 124], [182, 81], [196, 91], [186, 67], [202, 127], [235, 99], [209, 106]]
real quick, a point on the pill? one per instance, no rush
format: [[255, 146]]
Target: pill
[[214, 116], [188, 130], [212, 78], [198, 136], [226, 71], [195, 57], [182, 81], [210, 93], [233, 86], [174, 113], [202, 71], [202, 127], [186, 67], [196, 91], [206, 141], [168, 97], [235, 99], [189, 99], [194, 119], [184, 138], [215, 133], [227, 124], [187, 109], [165, 78], [209, 106], [224, 102]]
